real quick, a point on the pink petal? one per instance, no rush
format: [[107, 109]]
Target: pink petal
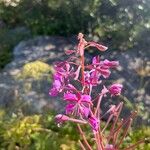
[[77, 73], [85, 111], [111, 63], [57, 84], [95, 60], [86, 98], [104, 72], [53, 92], [70, 108], [70, 97]]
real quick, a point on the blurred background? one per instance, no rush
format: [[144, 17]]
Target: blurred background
[[35, 33]]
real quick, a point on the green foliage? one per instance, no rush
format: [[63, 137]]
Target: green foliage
[[39, 132], [138, 134], [118, 23], [8, 39], [35, 132]]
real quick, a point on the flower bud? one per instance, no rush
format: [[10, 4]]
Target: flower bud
[[115, 89]]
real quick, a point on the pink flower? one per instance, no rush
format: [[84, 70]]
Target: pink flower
[[115, 89], [94, 122], [61, 78], [57, 86], [64, 70], [102, 67], [78, 104], [92, 78]]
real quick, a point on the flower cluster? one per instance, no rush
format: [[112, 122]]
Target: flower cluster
[[76, 80]]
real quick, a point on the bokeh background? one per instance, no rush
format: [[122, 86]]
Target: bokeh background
[[35, 33]]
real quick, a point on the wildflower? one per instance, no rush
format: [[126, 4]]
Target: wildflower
[[57, 85], [92, 78], [80, 107], [61, 77], [64, 70], [115, 89], [78, 104]]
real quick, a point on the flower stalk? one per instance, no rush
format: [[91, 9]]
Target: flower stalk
[[80, 98]]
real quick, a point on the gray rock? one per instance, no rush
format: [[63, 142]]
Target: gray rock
[[32, 93], [133, 73]]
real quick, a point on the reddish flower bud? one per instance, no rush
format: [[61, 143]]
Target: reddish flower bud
[[115, 89]]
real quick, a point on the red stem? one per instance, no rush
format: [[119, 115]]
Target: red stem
[[82, 146], [125, 132], [84, 138], [98, 104], [82, 69]]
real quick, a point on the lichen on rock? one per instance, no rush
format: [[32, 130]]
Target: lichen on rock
[[36, 70]]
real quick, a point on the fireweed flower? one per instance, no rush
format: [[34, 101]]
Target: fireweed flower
[[78, 104], [75, 79], [102, 68], [57, 85], [63, 71], [92, 78]]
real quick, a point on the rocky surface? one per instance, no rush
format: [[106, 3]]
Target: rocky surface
[[133, 73]]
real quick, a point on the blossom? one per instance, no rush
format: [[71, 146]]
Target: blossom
[[63, 71], [78, 104], [57, 85], [92, 78], [102, 67], [115, 89]]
